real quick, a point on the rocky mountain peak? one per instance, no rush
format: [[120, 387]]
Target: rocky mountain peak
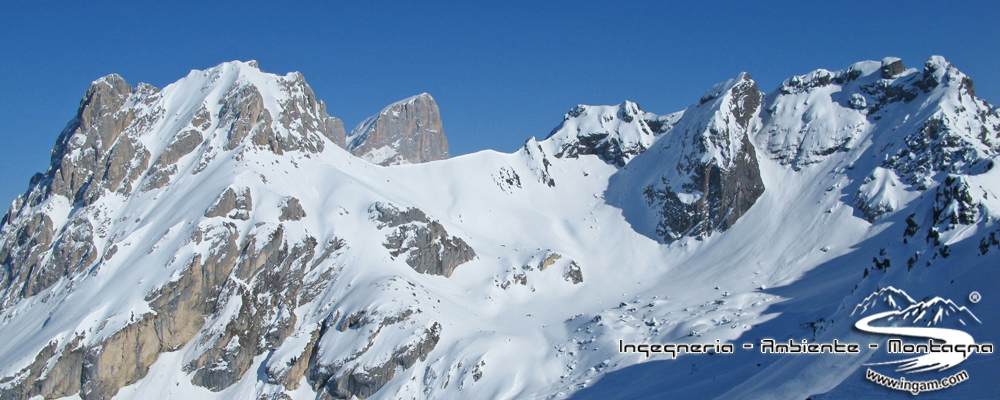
[[126, 141], [703, 175], [614, 133], [944, 128], [406, 132]]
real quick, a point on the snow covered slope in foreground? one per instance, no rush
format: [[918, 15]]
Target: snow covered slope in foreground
[[213, 240]]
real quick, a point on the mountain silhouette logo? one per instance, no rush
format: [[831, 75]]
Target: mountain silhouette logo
[[891, 311]]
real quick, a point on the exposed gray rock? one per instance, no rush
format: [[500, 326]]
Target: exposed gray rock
[[74, 252], [426, 244], [549, 259], [538, 161], [429, 249], [941, 143], [274, 270], [936, 146], [406, 132], [291, 210], [892, 67], [391, 217], [100, 152], [22, 255], [885, 94], [244, 116], [954, 203], [304, 114], [345, 382], [98, 371], [161, 171], [232, 205], [507, 179], [205, 287], [183, 144], [718, 192], [477, 370], [573, 273], [89, 136], [518, 277], [289, 376]]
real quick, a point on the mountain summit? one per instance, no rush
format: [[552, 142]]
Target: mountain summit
[[408, 131]]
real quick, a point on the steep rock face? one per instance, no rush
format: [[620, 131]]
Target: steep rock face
[[130, 143], [614, 133], [350, 378], [406, 132], [703, 175], [106, 150], [92, 158]]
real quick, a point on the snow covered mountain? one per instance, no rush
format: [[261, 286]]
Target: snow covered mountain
[[614, 133], [214, 239]]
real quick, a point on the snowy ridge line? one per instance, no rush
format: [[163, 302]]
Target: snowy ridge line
[[216, 236]]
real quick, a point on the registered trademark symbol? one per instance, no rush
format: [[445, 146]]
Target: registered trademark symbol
[[974, 297]]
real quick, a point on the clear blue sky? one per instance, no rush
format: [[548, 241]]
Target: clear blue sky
[[500, 71]]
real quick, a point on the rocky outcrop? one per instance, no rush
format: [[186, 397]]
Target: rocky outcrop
[[291, 210], [878, 194], [165, 165], [298, 126], [539, 262], [573, 273], [425, 243], [232, 205], [206, 291], [98, 370], [355, 375], [406, 132], [304, 115], [89, 140], [954, 202], [892, 67], [273, 269], [550, 258], [366, 382], [713, 177], [799, 130]]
